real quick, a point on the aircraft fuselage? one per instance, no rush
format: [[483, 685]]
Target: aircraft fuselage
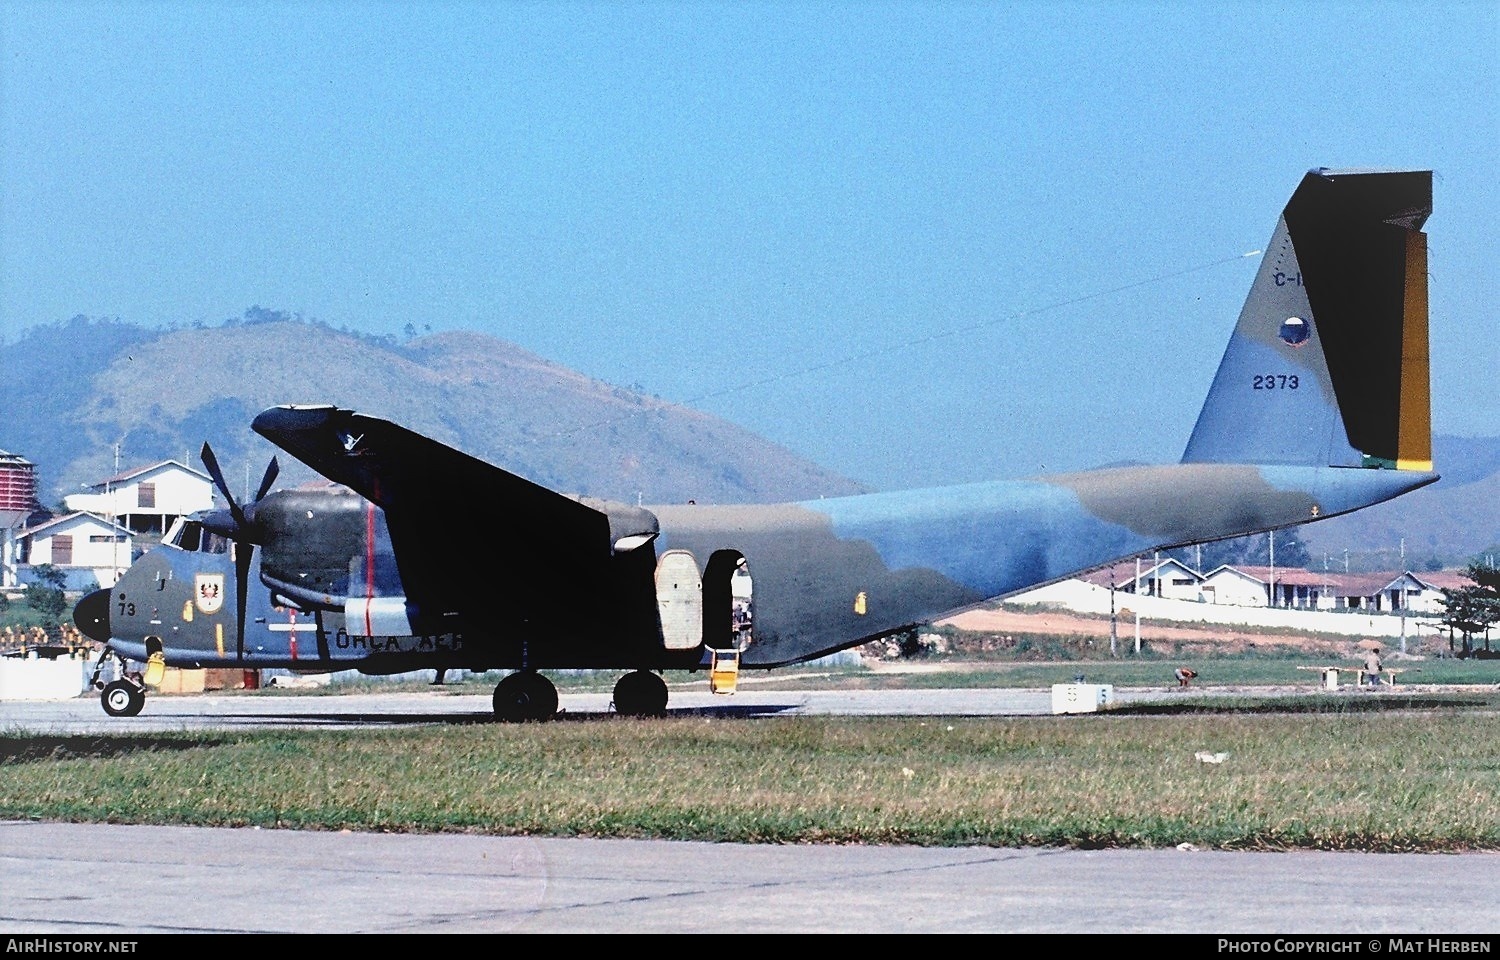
[[828, 574]]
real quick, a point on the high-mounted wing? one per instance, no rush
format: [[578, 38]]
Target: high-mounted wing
[[441, 505]]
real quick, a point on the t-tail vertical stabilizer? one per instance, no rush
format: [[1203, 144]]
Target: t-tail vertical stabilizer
[[1328, 364]]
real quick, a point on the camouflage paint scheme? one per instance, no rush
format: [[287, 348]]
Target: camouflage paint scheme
[[1319, 407]]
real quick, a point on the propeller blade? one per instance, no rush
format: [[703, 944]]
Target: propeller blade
[[244, 549], [272, 469], [243, 552], [212, 463]]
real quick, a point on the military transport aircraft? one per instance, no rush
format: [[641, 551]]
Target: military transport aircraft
[[1320, 406]]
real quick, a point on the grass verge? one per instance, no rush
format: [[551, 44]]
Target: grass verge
[[1335, 776]]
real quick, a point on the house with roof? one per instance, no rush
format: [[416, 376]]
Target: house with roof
[[1231, 586], [1423, 592], [87, 549], [1298, 589], [1291, 588], [1164, 577], [1370, 592], [147, 499]]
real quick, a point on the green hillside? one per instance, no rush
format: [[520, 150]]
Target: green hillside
[[161, 394]]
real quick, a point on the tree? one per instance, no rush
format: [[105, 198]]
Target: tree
[[45, 594], [1475, 608], [50, 576], [1486, 575]]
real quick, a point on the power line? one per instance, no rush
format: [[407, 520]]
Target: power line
[[968, 328], [902, 345]]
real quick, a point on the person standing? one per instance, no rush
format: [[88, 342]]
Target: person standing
[[1373, 666]]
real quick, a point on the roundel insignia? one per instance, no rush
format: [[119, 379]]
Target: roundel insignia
[[1294, 331], [208, 592]]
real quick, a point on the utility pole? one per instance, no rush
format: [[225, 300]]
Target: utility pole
[[1403, 595], [1114, 631], [1272, 585], [1138, 604], [1155, 592], [114, 519]]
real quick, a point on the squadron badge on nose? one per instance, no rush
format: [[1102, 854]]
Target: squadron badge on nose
[[208, 592]]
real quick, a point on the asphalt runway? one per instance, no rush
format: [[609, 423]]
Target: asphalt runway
[[112, 881]]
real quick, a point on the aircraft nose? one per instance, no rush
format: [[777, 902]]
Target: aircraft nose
[[91, 615]]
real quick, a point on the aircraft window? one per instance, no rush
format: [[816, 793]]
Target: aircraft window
[[185, 535], [1294, 331], [213, 543]]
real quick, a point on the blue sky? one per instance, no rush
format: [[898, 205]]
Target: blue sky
[[916, 242]]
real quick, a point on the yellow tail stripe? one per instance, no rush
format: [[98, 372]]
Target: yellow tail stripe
[[1414, 429]]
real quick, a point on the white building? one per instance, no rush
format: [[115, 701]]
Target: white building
[[1423, 592], [1290, 587], [1233, 587], [1271, 588], [1165, 577], [83, 546], [147, 499]]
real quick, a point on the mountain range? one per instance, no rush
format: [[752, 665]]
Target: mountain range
[[119, 394], [87, 396]]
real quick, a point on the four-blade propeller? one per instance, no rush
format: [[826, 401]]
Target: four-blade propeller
[[241, 529]]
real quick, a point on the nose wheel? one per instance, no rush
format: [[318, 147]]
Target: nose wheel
[[123, 698]]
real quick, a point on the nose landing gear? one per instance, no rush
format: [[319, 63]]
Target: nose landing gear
[[120, 698]]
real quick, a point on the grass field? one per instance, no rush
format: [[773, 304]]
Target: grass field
[[1412, 769]]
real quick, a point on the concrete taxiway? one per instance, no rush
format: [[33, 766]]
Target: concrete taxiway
[[111, 881], [241, 710]]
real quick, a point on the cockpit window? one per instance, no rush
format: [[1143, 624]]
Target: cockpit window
[[186, 535], [189, 535]]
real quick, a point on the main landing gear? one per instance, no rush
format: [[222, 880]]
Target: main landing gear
[[641, 694], [525, 695]]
